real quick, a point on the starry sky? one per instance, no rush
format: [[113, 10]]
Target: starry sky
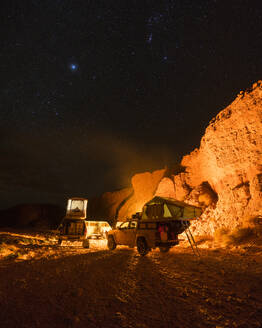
[[94, 91]]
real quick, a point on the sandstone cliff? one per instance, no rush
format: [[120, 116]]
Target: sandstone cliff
[[123, 203], [230, 160], [224, 175]]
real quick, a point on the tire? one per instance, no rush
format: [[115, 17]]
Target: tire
[[111, 244], [86, 243], [142, 247], [164, 249]]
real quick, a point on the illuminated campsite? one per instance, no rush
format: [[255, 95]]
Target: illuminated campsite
[[131, 164]]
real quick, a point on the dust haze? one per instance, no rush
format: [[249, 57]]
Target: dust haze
[[53, 167]]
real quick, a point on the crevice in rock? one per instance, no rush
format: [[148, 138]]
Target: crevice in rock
[[242, 184], [207, 195], [174, 170]]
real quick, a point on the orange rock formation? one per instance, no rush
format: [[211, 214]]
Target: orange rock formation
[[224, 174], [230, 160]]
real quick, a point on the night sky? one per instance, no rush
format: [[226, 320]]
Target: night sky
[[95, 91]]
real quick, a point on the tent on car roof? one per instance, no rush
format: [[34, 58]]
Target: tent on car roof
[[168, 208]]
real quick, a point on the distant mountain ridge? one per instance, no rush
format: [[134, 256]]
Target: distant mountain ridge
[[38, 216]]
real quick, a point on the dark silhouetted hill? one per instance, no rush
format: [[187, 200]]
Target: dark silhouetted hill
[[39, 216]]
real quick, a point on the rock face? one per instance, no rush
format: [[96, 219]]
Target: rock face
[[144, 187], [108, 205], [230, 160], [123, 203], [224, 175]]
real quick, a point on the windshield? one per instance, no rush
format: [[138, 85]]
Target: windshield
[[77, 208]]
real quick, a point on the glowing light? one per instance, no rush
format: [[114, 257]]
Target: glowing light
[[73, 67]]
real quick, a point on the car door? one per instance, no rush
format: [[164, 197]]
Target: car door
[[131, 236], [122, 234]]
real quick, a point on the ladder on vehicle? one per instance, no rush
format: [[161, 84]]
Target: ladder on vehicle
[[192, 242]]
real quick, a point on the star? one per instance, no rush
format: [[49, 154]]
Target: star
[[73, 67], [150, 37]]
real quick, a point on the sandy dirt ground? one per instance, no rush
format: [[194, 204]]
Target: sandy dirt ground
[[50, 286]]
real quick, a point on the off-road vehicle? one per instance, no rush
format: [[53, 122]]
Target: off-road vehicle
[[158, 225], [76, 230]]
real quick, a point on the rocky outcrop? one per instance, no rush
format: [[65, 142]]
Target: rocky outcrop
[[224, 175], [107, 206], [166, 188], [230, 160], [144, 188], [112, 206], [174, 186]]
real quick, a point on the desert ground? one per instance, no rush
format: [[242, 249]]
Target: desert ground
[[44, 285]]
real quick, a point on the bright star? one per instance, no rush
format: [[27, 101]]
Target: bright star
[[73, 67]]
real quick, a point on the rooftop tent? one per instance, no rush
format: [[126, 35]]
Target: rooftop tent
[[168, 208]]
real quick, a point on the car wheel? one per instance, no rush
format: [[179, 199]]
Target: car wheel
[[111, 244], [86, 243], [142, 247], [164, 249]]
